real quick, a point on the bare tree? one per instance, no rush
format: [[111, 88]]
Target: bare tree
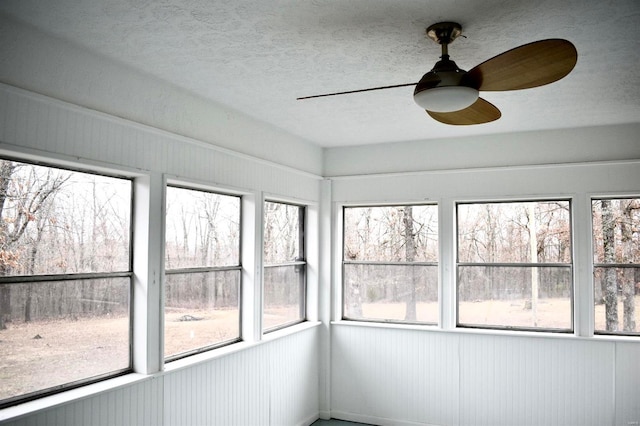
[[628, 274], [609, 283], [410, 256], [23, 200]]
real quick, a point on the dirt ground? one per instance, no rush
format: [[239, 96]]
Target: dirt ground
[[44, 354], [551, 313], [188, 329]]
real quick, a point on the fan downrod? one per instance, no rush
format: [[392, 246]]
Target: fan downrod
[[444, 32]]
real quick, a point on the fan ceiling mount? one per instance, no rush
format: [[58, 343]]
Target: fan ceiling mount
[[450, 95]]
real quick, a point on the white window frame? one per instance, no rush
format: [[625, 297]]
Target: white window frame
[[305, 246], [340, 226], [244, 201], [90, 168], [572, 265], [594, 265]]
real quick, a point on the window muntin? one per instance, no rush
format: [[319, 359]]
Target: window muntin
[[65, 278], [512, 271], [203, 271], [390, 263], [616, 258], [284, 290]]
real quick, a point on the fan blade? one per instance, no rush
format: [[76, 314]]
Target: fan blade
[[479, 112], [357, 91], [531, 65]]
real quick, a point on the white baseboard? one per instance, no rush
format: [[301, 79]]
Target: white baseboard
[[381, 421]]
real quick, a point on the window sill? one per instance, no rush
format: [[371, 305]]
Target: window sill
[[72, 395], [28, 408], [237, 347], [487, 332]]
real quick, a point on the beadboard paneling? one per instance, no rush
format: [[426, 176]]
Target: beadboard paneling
[[275, 383], [135, 404], [509, 380], [395, 376], [627, 379], [51, 126]]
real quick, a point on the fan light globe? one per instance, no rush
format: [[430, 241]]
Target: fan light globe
[[446, 99]]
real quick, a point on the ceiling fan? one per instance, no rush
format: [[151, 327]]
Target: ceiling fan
[[450, 95]]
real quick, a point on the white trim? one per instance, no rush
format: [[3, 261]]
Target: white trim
[[484, 169], [447, 297], [426, 328], [198, 184], [148, 273], [15, 412], [233, 348], [47, 158], [382, 421], [251, 255], [582, 253]]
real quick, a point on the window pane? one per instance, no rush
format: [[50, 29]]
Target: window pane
[[616, 231], [391, 292], [201, 310], [617, 300], [616, 240], [284, 285], [56, 221], [202, 229], [283, 233], [380, 233], [381, 278], [505, 296], [283, 295], [502, 232], [61, 332]]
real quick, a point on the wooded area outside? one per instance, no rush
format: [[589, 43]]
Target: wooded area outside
[[202, 233], [65, 260], [616, 257], [390, 256], [519, 253], [285, 265], [514, 264]]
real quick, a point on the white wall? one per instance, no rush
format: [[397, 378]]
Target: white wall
[[271, 380], [602, 143], [401, 376], [410, 375]]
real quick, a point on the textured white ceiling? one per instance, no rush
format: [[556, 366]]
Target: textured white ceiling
[[258, 56]]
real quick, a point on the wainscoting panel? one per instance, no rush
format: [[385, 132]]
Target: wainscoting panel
[[391, 376], [523, 381], [232, 390], [275, 383], [627, 378], [398, 376], [135, 404]]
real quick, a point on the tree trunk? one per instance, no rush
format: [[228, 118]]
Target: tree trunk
[[628, 282], [533, 252], [410, 256], [6, 170], [609, 284]]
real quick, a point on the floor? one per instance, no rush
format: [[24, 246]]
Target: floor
[[334, 422]]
